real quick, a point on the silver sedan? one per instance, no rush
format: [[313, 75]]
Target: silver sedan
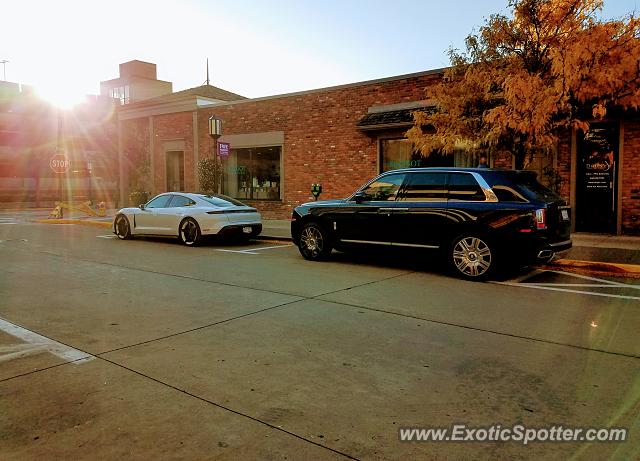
[[188, 217]]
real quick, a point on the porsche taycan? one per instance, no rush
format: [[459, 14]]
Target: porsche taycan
[[188, 217]]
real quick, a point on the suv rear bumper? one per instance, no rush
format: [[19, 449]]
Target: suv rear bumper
[[549, 250]]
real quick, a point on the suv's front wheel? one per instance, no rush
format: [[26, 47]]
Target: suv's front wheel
[[314, 242], [472, 257]]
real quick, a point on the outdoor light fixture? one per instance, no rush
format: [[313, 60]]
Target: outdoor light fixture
[[215, 127]]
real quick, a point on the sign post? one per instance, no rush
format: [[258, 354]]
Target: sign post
[[60, 164]]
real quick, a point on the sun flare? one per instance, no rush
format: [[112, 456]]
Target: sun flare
[[63, 96]]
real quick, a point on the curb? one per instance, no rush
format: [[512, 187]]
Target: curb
[[632, 270], [74, 221]]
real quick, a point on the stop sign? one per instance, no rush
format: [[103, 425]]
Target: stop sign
[[59, 163]]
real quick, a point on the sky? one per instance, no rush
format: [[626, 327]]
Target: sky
[[64, 48]]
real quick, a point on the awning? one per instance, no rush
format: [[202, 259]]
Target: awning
[[379, 119]]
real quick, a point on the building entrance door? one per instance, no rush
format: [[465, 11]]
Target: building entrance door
[[596, 178], [175, 171]]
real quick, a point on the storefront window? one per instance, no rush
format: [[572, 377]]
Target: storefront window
[[399, 153], [253, 173]]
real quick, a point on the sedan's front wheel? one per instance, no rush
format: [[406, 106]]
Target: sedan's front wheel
[[121, 227], [189, 232], [314, 242], [472, 257]]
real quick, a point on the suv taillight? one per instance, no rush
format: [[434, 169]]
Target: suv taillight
[[540, 218]]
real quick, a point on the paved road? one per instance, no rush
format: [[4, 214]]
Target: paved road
[[146, 349]]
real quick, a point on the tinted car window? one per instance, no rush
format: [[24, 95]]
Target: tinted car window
[[159, 202], [425, 187], [221, 200], [385, 188], [533, 189], [181, 200], [507, 194], [463, 186]]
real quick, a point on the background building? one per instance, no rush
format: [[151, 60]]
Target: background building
[[32, 131], [138, 81], [344, 135]]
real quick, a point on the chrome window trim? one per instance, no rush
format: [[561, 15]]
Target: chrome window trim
[[371, 242], [396, 244], [490, 196]]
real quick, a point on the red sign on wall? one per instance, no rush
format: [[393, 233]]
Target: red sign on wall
[[224, 148]]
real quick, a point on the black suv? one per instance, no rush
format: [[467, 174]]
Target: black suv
[[475, 217]]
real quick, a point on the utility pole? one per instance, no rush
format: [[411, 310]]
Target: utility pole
[[4, 69]]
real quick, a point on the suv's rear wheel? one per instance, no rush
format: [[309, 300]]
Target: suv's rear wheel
[[472, 257], [314, 242]]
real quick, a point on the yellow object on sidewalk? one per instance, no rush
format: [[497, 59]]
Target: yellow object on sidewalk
[[84, 207]]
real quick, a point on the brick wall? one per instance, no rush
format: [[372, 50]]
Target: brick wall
[[135, 148], [321, 141], [631, 179], [173, 127]]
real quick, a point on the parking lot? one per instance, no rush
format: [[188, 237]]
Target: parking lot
[[146, 349]]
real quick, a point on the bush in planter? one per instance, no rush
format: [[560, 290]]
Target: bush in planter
[[209, 174], [137, 198]]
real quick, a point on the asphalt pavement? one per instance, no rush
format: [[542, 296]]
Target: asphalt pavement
[[146, 349]]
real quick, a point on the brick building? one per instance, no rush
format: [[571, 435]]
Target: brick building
[[344, 135]]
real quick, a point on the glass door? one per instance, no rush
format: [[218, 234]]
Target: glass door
[[596, 178]]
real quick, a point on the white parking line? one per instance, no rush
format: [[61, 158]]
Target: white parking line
[[566, 290], [252, 251], [108, 236], [587, 285], [564, 287], [17, 351], [58, 349], [272, 247], [595, 279]]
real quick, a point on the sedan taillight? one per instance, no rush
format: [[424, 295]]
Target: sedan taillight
[[540, 219]]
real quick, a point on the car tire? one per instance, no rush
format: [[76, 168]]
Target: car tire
[[314, 242], [472, 257], [189, 232], [121, 227]]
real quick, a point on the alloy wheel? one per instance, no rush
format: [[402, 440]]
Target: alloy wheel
[[472, 256], [189, 232], [122, 227], [312, 241]]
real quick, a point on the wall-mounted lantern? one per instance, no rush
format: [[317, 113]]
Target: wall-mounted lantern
[[215, 127]]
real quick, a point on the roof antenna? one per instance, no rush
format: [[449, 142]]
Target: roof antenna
[[4, 69], [207, 82]]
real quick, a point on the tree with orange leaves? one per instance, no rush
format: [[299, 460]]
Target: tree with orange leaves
[[550, 66]]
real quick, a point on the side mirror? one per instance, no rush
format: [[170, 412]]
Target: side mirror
[[361, 196], [142, 206]]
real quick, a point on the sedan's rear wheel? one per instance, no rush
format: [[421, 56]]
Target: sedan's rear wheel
[[121, 227], [472, 257], [315, 242], [189, 232]]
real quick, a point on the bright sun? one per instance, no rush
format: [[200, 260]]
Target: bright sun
[[62, 95]]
